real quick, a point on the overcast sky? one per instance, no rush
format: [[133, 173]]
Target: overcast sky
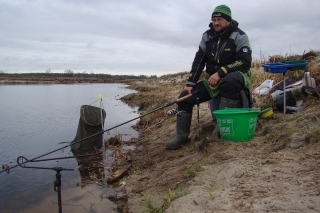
[[145, 37]]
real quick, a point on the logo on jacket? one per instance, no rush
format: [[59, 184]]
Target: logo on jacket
[[228, 49], [245, 50]]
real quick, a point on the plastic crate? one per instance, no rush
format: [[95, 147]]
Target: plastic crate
[[275, 67]]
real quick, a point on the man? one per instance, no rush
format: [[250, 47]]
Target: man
[[225, 51]]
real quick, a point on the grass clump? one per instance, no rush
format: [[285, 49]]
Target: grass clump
[[212, 197], [146, 203], [191, 172], [171, 196]]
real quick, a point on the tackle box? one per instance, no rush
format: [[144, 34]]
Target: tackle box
[[284, 66]]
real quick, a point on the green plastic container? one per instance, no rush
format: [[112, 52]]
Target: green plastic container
[[237, 124]]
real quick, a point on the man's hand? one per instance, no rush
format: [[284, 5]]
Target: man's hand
[[214, 79], [189, 89]]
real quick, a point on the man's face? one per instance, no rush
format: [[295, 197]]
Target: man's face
[[220, 24]]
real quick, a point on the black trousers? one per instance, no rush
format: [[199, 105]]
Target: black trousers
[[231, 86]]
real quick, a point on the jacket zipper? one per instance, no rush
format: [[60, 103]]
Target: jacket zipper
[[217, 51], [221, 49], [214, 44]]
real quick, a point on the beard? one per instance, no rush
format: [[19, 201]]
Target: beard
[[220, 29]]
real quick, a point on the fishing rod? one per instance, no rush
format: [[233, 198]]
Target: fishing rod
[[25, 160]]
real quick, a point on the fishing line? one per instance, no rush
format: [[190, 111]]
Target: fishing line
[[94, 101]]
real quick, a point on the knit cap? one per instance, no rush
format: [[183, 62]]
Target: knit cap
[[222, 11]]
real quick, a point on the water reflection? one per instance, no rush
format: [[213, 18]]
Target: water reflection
[[90, 167]]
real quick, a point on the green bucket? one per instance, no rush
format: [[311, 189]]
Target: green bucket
[[237, 124]]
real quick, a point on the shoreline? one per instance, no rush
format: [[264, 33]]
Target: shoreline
[[209, 175], [60, 81]]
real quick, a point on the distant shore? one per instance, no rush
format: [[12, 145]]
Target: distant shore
[[43, 79], [59, 81]]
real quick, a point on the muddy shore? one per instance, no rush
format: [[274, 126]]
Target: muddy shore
[[277, 171]]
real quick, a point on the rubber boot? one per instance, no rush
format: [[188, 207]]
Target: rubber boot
[[183, 130], [224, 103]]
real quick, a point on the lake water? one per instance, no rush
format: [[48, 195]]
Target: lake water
[[34, 119]]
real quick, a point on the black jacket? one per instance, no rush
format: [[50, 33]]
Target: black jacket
[[223, 53]]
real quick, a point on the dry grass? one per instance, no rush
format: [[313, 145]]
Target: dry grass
[[156, 93]]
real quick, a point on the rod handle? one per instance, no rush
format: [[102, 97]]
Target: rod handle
[[187, 96]]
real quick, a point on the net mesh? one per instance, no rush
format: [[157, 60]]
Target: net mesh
[[91, 122]]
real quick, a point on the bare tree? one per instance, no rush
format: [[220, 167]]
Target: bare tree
[[48, 71], [68, 71]]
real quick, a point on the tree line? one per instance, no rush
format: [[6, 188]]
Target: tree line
[[70, 73]]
